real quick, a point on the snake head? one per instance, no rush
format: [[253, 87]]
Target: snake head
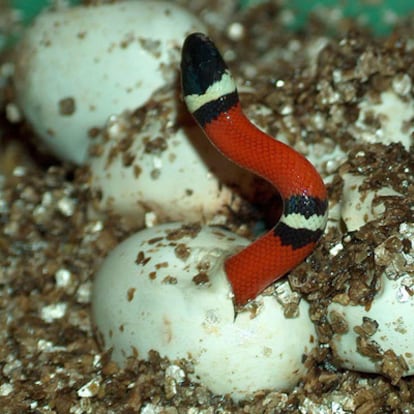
[[201, 64]]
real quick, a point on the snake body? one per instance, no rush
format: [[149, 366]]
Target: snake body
[[211, 96]]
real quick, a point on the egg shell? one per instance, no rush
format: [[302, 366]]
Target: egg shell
[[393, 114], [390, 312], [77, 66], [357, 206], [164, 289], [172, 172]]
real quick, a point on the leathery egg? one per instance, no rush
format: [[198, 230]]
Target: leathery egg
[[377, 338], [77, 66], [152, 164], [392, 113], [164, 289], [357, 205], [380, 338]]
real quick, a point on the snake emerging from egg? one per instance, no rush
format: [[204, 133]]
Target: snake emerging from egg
[[211, 96]]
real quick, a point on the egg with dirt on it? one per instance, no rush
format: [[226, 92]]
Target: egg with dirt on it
[[76, 66], [165, 289], [155, 165]]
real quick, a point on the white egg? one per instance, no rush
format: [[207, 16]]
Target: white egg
[[77, 66], [154, 163], [357, 206], [372, 336], [392, 116], [164, 289]]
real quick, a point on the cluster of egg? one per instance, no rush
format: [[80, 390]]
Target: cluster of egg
[[79, 75]]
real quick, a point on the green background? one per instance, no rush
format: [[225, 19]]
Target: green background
[[29, 8], [374, 14]]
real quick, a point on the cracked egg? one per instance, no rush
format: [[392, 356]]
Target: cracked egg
[[164, 289]]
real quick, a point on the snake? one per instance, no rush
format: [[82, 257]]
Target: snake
[[210, 94]]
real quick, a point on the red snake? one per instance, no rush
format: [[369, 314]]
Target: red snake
[[211, 96]]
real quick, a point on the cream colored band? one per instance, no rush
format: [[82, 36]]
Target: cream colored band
[[222, 87], [298, 221]]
